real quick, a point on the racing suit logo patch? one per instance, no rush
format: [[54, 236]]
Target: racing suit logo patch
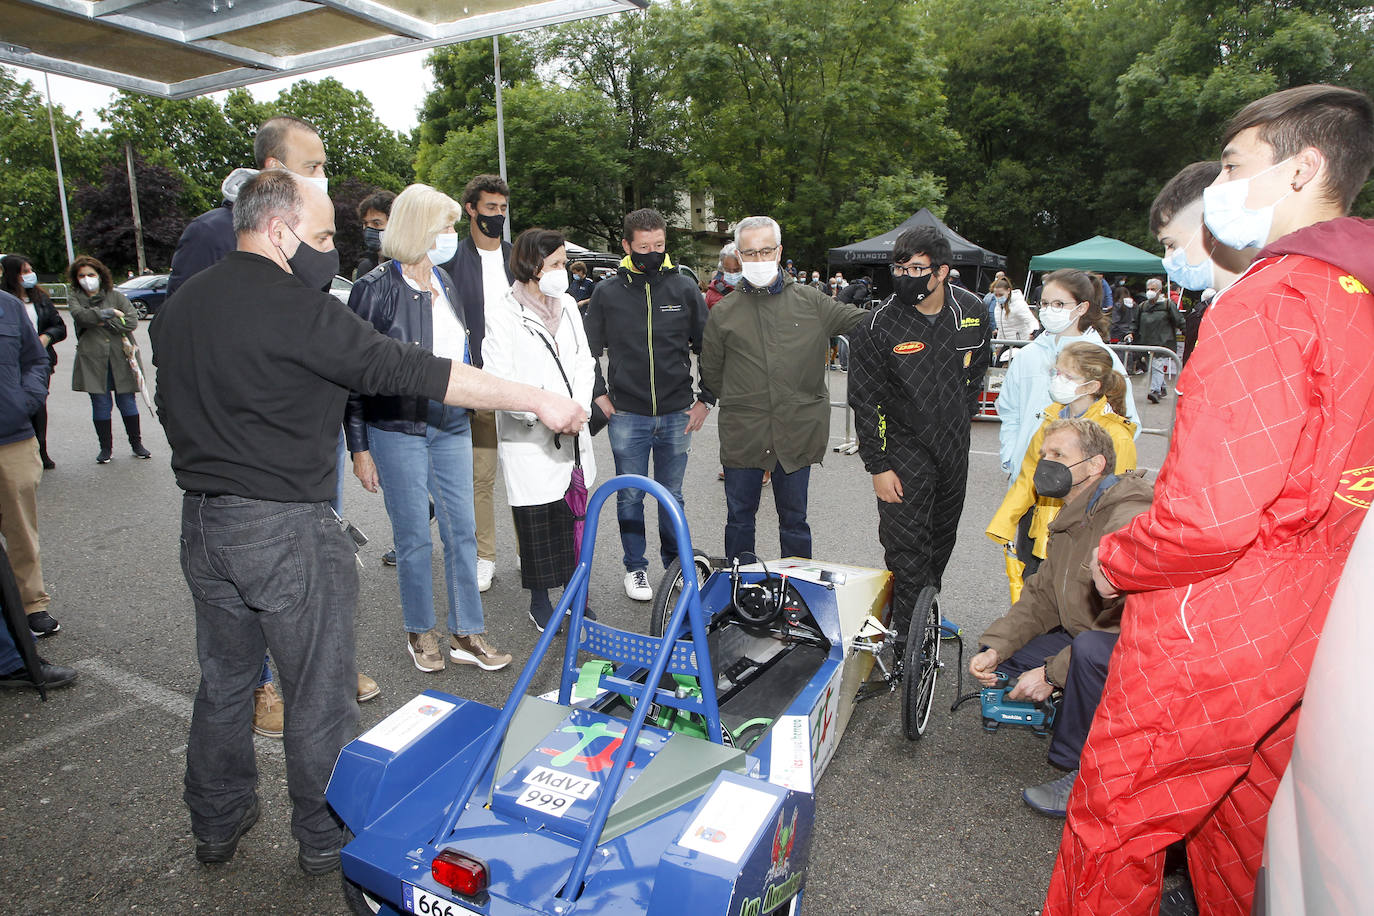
[[1352, 286], [1357, 487], [910, 346]]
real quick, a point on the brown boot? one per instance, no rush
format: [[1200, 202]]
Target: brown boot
[[268, 711]]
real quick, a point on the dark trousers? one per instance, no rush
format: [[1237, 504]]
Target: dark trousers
[[743, 489], [918, 533], [1092, 650], [279, 577]]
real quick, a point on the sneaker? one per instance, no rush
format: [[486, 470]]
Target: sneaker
[[41, 624], [389, 558], [950, 630], [222, 851], [1052, 798], [367, 688], [486, 571], [637, 585], [49, 675], [1153, 397], [268, 713], [424, 650], [475, 650]]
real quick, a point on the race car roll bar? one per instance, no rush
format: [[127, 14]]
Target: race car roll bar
[[574, 602]]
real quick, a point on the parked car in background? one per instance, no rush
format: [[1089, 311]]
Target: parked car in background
[[340, 287], [147, 293]]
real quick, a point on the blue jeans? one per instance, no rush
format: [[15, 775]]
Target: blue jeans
[[633, 438], [743, 487], [411, 470], [279, 577], [10, 659], [100, 405]]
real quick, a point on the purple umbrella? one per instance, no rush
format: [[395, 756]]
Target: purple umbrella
[[576, 497]]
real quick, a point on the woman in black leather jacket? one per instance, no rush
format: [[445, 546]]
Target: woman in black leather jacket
[[416, 449], [17, 277]]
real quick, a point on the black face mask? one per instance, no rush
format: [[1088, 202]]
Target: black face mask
[[912, 290], [372, 238], [490, 226], [647, 262], [1054, 479], [314, 268]]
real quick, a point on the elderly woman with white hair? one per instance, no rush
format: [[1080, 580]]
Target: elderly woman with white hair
[[418, 450], [727, 277]]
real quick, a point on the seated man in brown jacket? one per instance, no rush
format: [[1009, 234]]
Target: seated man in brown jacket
[[1060, 633]]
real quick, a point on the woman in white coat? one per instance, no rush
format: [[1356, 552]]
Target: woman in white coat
[[1014, 318], [535, 336]]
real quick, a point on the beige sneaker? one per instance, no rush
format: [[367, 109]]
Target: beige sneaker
[[475, 650], [424, 649], [268, 711], [367, 688]]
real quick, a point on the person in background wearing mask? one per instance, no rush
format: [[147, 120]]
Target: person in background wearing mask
[[916, 369], [1060, 633], [1194, 259], [989, 299], [17, 278], [651, 319], [420, 452], [764, 356], [1229, 575], [1069, 311], [816, 281], [267, 561], [282, 142], [728, 275], [1014, 319], [1122, 328], [481, 278], [1157, 323], [373, 212], [580, 287], [105, 320]]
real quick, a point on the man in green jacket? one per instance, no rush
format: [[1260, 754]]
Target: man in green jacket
[[764, 357]]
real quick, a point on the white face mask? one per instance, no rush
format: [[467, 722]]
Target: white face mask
[[1152, 294], [1055, 320], [90, 284], [1189, 276], [319, 181], [553, 283], [1130, 303], [445, 247], [1231, 222], [1063, 390], [760, 274]]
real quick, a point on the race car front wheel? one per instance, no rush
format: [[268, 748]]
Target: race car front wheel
[[670, 587], [921, 664]]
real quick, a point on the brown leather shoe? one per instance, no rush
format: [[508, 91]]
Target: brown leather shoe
[[367, 688], [268, 711]]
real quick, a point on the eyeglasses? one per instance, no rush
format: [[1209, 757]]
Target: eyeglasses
[[915, 270], [1057, 304], [759, 254]]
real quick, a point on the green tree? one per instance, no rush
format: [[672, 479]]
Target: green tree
[[31, 218], [106, 230], [356, 143]]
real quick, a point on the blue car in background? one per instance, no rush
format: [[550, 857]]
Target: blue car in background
[[147, 293]]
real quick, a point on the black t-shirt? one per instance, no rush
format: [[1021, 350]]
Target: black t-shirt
[[253, 371]]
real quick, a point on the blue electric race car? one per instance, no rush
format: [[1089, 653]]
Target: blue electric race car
[[670, 773]]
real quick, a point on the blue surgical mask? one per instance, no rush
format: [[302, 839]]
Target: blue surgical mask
[[1230, 221], [30, 280], [732, 279], [445, 247], [1189, 276]]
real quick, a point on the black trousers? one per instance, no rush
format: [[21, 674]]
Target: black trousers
[[1092, 650], [918, 533]]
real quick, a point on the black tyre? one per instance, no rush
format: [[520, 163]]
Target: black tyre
[[141, 309], [670, 587], [360, 902], [921, 664]]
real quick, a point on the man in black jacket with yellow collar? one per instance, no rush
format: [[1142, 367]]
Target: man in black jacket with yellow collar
[[651, 318]]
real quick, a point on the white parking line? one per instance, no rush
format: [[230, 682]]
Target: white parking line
[[61, 734]]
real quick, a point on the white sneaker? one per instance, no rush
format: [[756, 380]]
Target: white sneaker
[[486, 571], [637, 586]]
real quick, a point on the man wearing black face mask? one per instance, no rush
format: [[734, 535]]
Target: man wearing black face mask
[[651, 319], [915, 369], [373, 211], [254, 365], [1060, 633]]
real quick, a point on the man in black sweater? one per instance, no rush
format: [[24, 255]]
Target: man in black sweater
[[254, 365]]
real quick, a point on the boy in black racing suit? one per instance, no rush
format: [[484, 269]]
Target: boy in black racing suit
[[916, 368]]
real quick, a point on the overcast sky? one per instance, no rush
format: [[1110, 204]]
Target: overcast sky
[[396, 85]]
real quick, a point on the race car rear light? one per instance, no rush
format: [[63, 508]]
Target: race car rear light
[[460, 872]]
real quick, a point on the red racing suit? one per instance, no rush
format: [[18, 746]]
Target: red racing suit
[[1229, 574]]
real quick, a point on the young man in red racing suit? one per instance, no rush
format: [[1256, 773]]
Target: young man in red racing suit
[[1231, 572]]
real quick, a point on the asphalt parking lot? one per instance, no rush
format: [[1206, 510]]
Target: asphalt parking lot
[[91, 817]]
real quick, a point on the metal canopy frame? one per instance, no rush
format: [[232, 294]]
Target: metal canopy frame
[[181, 48]]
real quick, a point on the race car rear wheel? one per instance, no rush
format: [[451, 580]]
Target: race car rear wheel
[[360, 902], [670, 587], [921, 664]]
